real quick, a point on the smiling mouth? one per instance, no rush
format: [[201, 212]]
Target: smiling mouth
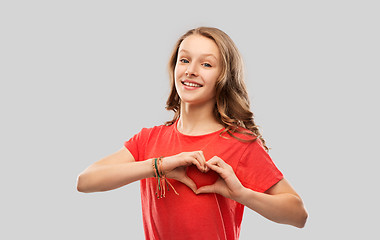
[[190, 84]]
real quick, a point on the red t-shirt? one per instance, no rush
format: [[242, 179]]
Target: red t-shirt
[[203, 216]]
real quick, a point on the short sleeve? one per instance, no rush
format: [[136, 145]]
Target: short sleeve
[[256, 169], [136, 144]]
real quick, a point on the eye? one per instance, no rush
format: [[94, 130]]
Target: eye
[[184, 60], [207, 65]]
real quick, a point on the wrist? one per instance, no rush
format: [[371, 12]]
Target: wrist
[[152, 162], [241, 194], [165, 164], [159, 166], [160, 175]]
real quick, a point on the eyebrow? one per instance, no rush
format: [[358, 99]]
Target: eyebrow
[[203, 55]]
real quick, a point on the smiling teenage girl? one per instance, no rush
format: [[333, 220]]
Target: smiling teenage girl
[[211, 153]]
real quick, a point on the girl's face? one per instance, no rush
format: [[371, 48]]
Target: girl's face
[[197, 70]]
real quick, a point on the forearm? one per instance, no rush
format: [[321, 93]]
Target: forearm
[[283, 208], [111, 176]]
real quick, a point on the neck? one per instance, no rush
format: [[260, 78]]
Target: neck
[[197, 120]]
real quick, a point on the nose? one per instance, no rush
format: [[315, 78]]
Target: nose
[[191, 70]]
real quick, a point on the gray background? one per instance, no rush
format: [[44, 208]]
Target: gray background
[[78, 78]]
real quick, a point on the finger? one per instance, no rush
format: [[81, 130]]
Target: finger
[[218, 161], [213, 160], [214, 166], [218, 165], [206, 189], [194, 159], [191, 159], [196, 163], [190, 183], [200, 158]]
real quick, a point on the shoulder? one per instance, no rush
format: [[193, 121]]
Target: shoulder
[[246, 141], [242, 135], [147, 132], [241, 140]]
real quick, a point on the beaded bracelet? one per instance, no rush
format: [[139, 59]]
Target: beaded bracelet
[[162, 182]]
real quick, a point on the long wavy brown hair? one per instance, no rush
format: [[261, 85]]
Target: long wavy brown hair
[[232, 107]]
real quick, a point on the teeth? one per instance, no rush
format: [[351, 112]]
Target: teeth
[[191, 84]]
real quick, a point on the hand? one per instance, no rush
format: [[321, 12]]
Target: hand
[[174, 167], [228, 185]]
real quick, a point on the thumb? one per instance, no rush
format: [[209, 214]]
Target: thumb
[[190, 183], [206, 189]]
